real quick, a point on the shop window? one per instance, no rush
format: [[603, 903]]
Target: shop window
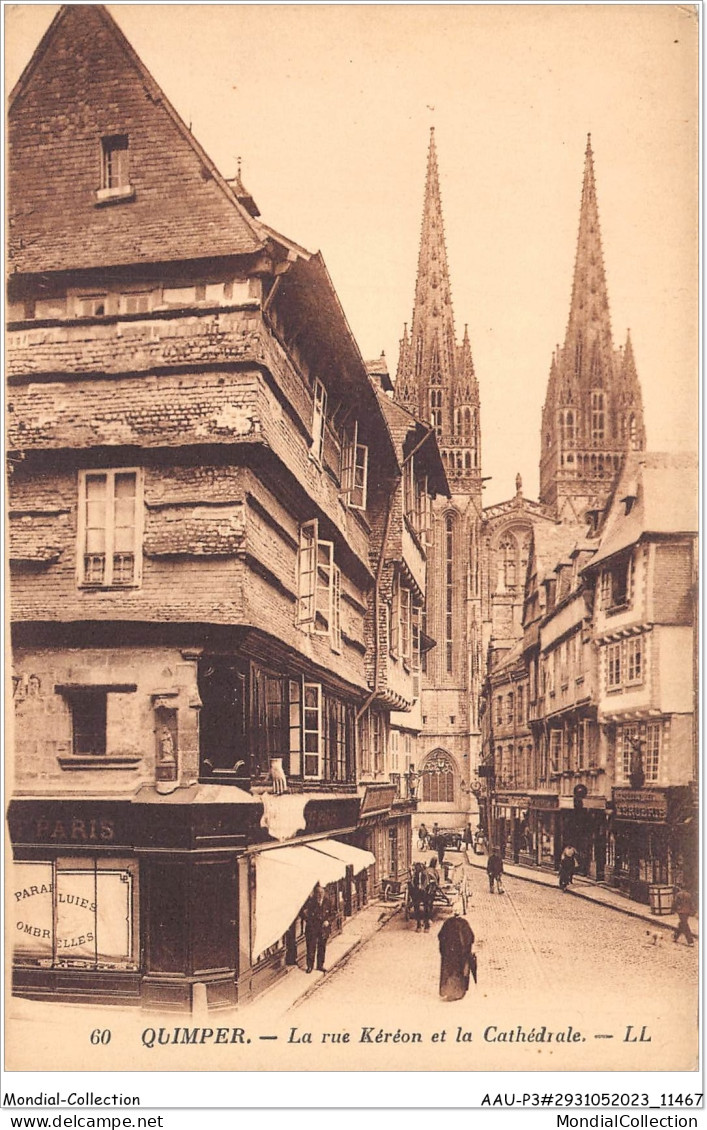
[[312, 730], [78, 913], [109, 528]]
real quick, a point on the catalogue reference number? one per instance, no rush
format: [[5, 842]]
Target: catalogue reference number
[[594, 1099]]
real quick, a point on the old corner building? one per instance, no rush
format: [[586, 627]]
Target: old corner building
[[218, 524]]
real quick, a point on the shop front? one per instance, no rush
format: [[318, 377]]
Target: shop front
[[170, 901], [543, 836], [583, 825], [511, 827], [652, 841]]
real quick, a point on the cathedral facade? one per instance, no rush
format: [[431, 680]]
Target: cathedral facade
[[477, 556]]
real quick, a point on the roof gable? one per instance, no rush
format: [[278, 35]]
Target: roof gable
[[85, 83]]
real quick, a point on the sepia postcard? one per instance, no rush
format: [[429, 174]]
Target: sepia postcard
[[351, 428]]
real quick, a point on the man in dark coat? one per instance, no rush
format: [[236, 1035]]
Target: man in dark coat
[[494, 870], [318, 912], [455, 941], [683, 906]]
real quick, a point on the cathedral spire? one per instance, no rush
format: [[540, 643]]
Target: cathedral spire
[[589, 323], [593, 411], [430, 358]]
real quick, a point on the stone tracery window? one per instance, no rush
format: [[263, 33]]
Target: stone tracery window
[[438, 778]]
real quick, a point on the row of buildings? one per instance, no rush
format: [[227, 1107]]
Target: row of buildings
[[262, 623], [589, 718]]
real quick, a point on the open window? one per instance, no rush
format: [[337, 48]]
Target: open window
[[354, 469], [319, 585]]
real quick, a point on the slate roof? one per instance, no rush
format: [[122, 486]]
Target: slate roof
[[666, 501], [83, 83]]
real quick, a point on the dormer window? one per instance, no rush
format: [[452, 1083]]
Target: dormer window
[[115, 173]]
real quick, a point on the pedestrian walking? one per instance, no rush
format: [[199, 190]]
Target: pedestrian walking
[[423, 837], [684, 907], [318, 912], [440, 844], [568, 866], [468, 837], [494, 870], [456, 939]]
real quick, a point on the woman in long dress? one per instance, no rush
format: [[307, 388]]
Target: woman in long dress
[[455, 941]]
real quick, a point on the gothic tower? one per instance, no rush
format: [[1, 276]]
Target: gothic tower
[[436, 381], [593, 410]]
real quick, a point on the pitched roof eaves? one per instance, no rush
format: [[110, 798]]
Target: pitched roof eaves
[[290, 244]]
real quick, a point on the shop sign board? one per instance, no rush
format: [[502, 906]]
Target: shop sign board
[[544, 802], [377, 799], [640, 804]]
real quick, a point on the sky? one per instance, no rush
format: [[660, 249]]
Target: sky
[[329, 108]]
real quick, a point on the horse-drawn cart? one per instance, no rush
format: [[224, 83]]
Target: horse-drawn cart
[[453, 889]]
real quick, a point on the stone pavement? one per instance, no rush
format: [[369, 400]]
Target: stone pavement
[[586, 889], [296, 985]]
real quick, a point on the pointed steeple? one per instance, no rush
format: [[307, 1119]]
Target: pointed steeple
[[430, 359], [588, 335], [593, 411], [590, 301]]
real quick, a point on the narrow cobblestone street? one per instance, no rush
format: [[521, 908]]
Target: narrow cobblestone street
[[545, 958]]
